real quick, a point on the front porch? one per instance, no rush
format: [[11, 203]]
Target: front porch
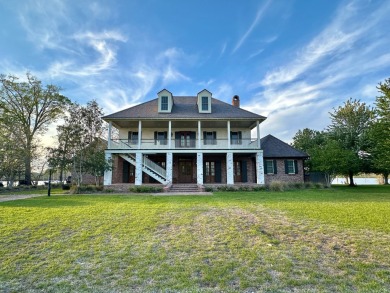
[[187, 168]]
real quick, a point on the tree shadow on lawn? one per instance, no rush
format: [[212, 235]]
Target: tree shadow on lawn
[[45, 202]]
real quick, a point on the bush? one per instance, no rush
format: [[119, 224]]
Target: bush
[[65, 186], [209, 189], [277, 186], [146, 189], [258, 188]]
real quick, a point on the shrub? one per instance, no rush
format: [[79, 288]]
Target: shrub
[[145, 189], [258, 188], [65, 186], [298, 185], [244, 188], [209, 189], [309, 185], [277, 186], [109, 190]]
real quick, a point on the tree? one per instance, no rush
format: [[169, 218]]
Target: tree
[[349, 126], [28, 108], [307, 139], [331, 159], [78, 138], [380, 132]]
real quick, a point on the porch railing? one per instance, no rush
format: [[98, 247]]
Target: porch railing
[[241, 144]]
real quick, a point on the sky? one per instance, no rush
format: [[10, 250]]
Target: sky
[[291, 61]]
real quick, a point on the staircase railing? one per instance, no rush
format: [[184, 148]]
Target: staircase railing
[[154, 167]]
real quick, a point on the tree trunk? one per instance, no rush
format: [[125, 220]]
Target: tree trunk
[[386, 178], [351, 183], [27, 166]]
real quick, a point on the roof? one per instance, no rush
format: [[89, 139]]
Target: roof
[[275, 148], [184, 108]]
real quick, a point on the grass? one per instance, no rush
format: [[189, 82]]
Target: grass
[[294, 241]]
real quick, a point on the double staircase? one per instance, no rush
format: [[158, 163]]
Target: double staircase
[[149, 167]]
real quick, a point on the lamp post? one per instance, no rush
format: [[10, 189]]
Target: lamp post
[[49, 185]]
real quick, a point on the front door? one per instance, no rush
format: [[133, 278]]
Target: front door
[[237, 171], [209, 172], [185, 171]]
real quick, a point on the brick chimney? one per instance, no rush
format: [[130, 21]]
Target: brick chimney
[[236, 101]]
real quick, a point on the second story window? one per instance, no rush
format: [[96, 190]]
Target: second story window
[[133, 137], [160, 138], [235, 137], [164, 103], [209, 137], [205, 103]]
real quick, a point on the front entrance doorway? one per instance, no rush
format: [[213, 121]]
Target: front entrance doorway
[[209, 172], [185, 171], [237, 171]]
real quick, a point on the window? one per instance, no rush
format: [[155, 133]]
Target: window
[[210, 137], [270, 167], [164, 103], [133, 137], [205, 103], [210, 168], [235, 137], [291, 166], [160, 138]]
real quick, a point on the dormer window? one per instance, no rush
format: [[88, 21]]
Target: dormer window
[[165, 101], [205, 103]]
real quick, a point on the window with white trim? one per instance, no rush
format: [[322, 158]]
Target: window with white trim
[[164, 103]]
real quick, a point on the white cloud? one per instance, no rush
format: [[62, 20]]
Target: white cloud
[[259, 15]]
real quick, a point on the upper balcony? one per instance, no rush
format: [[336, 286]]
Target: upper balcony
[[181, 144]]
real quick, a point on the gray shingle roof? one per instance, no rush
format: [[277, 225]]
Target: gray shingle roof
[[275, 148], [184, 108]]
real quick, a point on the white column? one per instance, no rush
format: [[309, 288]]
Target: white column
[[199, 168], [258, 134], [169, 135], [138, 169], [228, 133], [169, 166], [109, 134], [229, 168], [199, 135], [108, 174], [260, 168], [139, 133]]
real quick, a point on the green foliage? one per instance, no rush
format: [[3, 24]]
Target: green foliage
[[277, 186], [380, 132], [28, 108], [145, 189]]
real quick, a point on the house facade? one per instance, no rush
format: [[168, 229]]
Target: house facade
[[185, 139]]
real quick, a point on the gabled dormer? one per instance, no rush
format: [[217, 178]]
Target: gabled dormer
[[204, 101], [165, 101]]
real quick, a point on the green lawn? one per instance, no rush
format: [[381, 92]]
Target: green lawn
[[297, 241]]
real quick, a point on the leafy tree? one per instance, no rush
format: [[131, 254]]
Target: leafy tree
[[82, 130], [331, 159], [27, 109], [380, 132], [349, 126], [307, 139]]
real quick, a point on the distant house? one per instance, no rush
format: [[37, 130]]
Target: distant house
[[282, 162], [192, 139]]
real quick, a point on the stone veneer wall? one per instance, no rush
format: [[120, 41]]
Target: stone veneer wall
[[281, 176]]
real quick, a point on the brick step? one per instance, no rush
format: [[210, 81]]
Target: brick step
[[184, 188]]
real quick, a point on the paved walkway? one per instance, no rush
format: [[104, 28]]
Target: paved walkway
[[18, 196]]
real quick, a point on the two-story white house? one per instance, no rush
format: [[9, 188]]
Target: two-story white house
[[185, 139]]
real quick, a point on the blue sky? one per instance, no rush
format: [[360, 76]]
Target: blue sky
[[292, 61]]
